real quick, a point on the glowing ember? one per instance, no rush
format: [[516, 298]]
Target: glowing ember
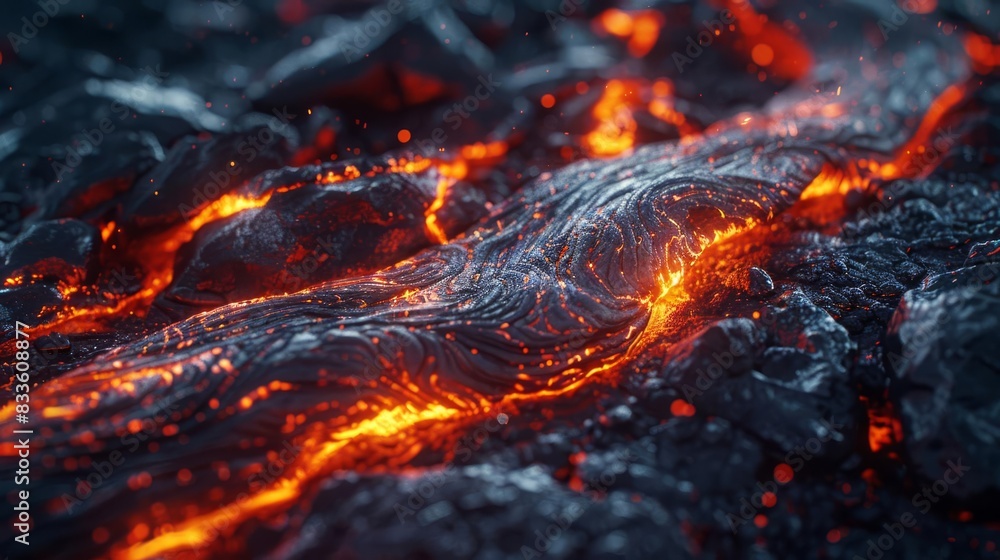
[[615, 132]]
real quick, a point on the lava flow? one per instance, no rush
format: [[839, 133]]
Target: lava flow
[[427, 275]]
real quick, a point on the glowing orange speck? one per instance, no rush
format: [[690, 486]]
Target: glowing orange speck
[[548, 101], [403, 136], [762, 54], [107, 230], [616, 22]]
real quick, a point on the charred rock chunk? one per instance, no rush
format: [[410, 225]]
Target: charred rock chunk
[[946, 372]]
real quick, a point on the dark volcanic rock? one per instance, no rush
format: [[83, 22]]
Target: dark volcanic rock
[[782, 378], [760, 283], [54, 250], [946, 373]]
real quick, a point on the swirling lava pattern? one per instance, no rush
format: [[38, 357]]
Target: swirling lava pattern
[[558, 289]]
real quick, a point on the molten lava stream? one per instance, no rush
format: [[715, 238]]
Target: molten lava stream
[[391, 438], [398, 430], [157, 252]]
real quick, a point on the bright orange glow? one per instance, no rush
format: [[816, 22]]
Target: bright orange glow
[[157, 256], [641, 28], [905, 163], [645, 33], [762, 54], [879, 436], [322, 453], [403, 136], [548, 101], [832, 181], [434, 230], [662, 107], [884, 428], [616, 22], [403, 165], [616, 126], [453, 171], [107, 230], [615, 132], [157, 252], [769, 43], [481, 151], [227, 205]]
